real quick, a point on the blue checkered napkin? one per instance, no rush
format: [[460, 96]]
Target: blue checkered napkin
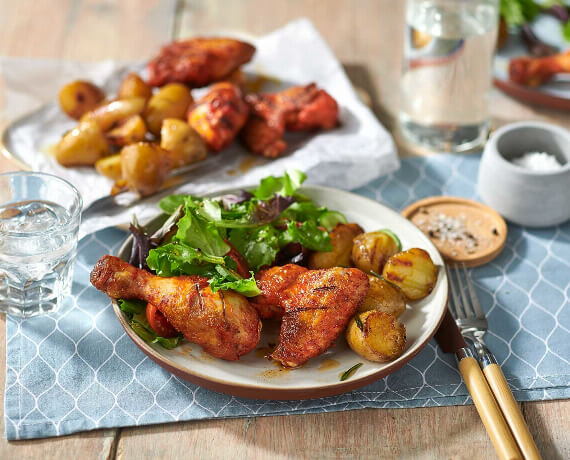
[[77, 370]]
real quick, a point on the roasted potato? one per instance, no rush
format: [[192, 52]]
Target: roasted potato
[[412, 271], [171, 101], [110, 167], [183, 144], [133, 86], [371, 250], [376, 336], [144, 167], [128, 132], [109, 115], [79, 97], [383, 296], [341, 240], [82, 146]]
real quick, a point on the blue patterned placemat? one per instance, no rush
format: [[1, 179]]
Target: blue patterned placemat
[[77, 370]]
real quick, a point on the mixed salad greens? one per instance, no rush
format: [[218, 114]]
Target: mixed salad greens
[[518, 14], [272, 224]]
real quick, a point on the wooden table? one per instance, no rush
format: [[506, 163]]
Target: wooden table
[[366, 37]]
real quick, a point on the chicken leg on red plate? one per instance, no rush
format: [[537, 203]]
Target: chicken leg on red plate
[[222, 323]]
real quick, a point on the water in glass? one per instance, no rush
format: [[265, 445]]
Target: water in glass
[[446, 77], [38, 240]]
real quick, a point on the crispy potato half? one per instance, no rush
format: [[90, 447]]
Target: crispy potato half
[[413, 272], [79, 97], [371, 250], [376, 336], [383, 296], [82, 146], [341, 240]]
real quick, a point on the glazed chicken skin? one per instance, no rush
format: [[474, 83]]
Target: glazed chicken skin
[[300, 108], [219, 115], [272, 282], [199, 61], [222, 323], [316, 307], [537, 71]]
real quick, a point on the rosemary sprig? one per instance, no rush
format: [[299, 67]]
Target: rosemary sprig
[[347, 374], [359, 322]]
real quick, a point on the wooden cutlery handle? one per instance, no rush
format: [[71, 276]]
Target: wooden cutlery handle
[[489, 411], [511, 411]]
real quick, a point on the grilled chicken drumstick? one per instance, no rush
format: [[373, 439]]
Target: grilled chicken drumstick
[[533, 71], [272, 282], [300, 108], [316, 306], [198, 61], [222, 323]]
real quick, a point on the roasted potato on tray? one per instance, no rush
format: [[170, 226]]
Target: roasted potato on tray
[[131, 130], [110, 167], [134, 86], [109, 115], [79, 97], [144, 167], [171, 101], [82, 146], [183, 144]]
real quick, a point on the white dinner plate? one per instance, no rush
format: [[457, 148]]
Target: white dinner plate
[[254, 376]]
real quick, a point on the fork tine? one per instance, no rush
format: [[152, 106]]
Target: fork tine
[[474, 300], [466, 305], [455, 304]]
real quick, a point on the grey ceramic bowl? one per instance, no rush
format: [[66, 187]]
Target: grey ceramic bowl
[[525, 197]]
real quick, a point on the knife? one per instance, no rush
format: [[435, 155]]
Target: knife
[[450, 340]]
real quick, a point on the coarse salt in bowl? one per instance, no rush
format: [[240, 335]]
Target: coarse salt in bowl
[[522, 184]]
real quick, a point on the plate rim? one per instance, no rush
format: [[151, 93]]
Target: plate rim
[[277, 393]]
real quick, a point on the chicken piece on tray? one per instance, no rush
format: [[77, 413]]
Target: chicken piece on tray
[[531, 71], [300, 108], [219, 115], [272, 283], [199, 61], [316, 306], [222, 323]]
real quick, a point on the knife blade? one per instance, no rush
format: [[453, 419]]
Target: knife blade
[[450, 340]]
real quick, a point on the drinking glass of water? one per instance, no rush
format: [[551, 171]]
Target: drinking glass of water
[[39, 221], [446, 80]]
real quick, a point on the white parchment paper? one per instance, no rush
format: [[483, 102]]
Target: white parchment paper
[[346, 157]]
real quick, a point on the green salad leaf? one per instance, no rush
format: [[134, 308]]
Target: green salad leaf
[[198, 232], [258, 245], [519, 12], [179, 258], [566, 31], [286, 185], [308, 234], [228, 279]]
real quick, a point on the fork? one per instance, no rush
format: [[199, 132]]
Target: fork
[[473, 325]]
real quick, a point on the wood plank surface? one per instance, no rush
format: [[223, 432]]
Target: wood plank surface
[[366, 36]]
